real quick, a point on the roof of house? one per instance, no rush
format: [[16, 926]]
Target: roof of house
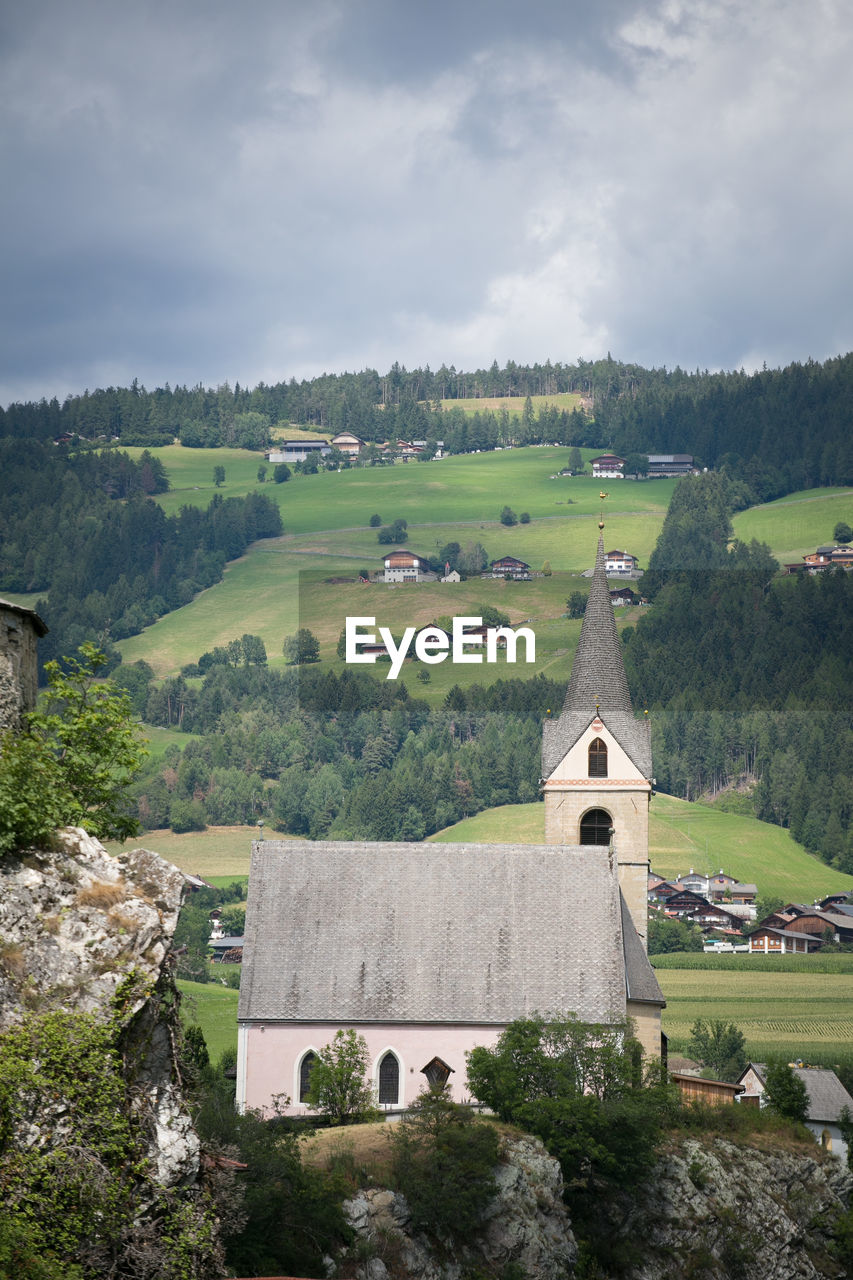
[[38, 623], [598, 683], [385, 932], [827, 1095]]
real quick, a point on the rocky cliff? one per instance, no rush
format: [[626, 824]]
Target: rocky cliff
[[84, 932], [711, 1210]]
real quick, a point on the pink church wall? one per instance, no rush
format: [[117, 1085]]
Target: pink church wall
[[270, 1054]]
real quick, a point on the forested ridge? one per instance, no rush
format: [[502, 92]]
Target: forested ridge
[[82, 528], [779, 430]]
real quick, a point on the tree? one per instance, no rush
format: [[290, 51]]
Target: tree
[[281, 473], [218, 476], [672, 935], [375, 521], [301, 647], [719, 1046], [524, 518], [786, 1093], [576, 604], [575, 460], [262, 474], [842, 532], [338, 1085], [444, 1163], [637, 464], [71, 766], [508, 517]]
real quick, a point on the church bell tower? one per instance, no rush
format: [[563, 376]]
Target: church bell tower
[[597, 758]]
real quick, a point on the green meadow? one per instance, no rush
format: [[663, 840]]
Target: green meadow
[[213, 1008], [682, 834], [685, 834], [514, 405], [797, 523]]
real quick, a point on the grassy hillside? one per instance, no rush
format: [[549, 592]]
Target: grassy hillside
[[683, 834], [514, 405], [797, 523]]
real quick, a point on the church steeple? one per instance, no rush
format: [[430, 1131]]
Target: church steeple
[[598, 673]]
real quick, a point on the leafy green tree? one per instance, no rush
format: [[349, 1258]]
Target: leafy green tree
[[508, 517], [218, 475], [842, 532], [262, 474], [339, 1084], [375, 520], [444, 1163], [576, 604], [302, 647], [79, 751], [637, 464], [281, 473], [786, 1093], [575, 460], [672, 935], [524, 518], [719, 1046]]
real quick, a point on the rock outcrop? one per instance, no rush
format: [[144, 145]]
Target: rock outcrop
[[526, 1224], [712, 1210], [75, 925]]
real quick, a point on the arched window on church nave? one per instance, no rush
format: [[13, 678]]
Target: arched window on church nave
[[595, 827], [389, 1079], [305, 1068], [597, 758]]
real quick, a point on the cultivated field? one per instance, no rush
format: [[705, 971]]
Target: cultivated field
[[806, 1014]]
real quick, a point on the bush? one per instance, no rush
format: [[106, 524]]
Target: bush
[[444, 1161], [375, 521], [281, 473], [524, 518], [508, 517]]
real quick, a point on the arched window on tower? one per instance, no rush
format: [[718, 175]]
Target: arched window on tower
[[597, 759], [595, 827], [305, 1068], [389, 1079]]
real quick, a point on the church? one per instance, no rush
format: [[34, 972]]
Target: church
[[427, 950]]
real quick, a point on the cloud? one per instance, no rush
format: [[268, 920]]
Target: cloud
[[198, 193]]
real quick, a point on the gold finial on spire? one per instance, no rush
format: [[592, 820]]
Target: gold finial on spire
[[602, 495]]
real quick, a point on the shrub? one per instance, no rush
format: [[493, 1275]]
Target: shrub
[[444, 1161], [375, 521], [281, 473], [524, 518], [508, 517], [338, 1085]]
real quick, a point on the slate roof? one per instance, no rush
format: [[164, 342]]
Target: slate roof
[[640, 979], [38, 623], [356, 932], [827, 1095], [598, 677]]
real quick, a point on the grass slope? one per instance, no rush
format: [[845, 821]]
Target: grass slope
[[797, 523], [684, 834], [514, 406], [213, 1008]]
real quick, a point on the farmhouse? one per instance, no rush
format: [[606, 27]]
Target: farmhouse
[[616, 562], [299, 451], [609, 467], [405, 566], [827, 1099], [670, 464], [428, 949], [348, 444], [511, 567]]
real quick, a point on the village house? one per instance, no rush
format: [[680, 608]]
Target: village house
[[670, 464], [405, 566], [347, 443], [509, 566], [827, 1098], [620, 562], [291, 451], [428, 949], [608, 467], [767, 941], [622, 598]]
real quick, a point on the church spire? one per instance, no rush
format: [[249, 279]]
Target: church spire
[[598, 681]]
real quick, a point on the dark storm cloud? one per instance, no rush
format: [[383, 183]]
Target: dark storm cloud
[[201, 191]]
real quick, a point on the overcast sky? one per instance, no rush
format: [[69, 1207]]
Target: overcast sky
[[198, 190]]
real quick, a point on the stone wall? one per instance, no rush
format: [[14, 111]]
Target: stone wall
[[19, 632]]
